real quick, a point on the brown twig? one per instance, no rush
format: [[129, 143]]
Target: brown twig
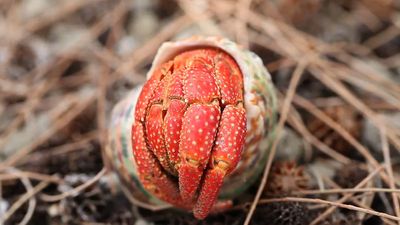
[[25, 197], [75, 191], [333, 204], [284, 113], [389, 169], [345, 197]]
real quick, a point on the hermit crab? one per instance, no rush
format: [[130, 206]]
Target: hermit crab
[[198, 131]]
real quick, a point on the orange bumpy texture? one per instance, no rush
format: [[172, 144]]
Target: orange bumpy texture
[[190, 128]]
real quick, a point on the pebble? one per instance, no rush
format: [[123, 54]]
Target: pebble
[[143, 25], [371, 134], [291, 146]]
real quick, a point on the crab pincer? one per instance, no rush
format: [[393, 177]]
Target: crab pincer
[[214, 127]]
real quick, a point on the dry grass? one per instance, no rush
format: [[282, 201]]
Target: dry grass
[[56, 95]]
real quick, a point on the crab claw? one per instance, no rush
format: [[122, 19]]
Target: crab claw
[[151, 175], [224, 157], [200, 125]]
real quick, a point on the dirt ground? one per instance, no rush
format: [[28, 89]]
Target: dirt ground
[[335, 64]]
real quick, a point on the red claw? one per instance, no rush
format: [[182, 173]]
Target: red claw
[[190, 123], [224, 158], [200, 127]]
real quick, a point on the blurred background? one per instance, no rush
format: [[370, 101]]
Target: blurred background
[[65, 63]]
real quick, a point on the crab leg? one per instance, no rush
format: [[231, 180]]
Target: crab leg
[[231, 134], [176, 107], [200, 121], [200, 127], [150, 171], [154, 125], [172, 131], [224, 157]]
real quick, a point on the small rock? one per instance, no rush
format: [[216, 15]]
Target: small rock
[[33, 8], [371, 134], [142, 222], [143, 5], [126, 45], [54, 210], [65, 36], [322, 168], [291, 147], [3, 207], [143, 25]]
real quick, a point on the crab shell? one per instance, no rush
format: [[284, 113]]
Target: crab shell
[[259, 102]]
